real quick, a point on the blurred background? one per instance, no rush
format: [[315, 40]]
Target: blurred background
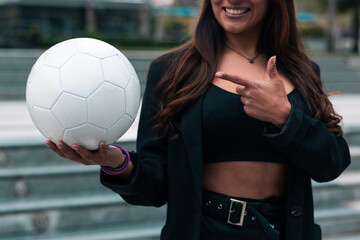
[[45, 197]]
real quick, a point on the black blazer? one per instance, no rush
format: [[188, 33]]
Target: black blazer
[[171, 172]]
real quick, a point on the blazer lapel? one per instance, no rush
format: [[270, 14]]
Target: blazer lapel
[[191, 129]]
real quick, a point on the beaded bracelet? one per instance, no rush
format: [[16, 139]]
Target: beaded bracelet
[[116, 171]]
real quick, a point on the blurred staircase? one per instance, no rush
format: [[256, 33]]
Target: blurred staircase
[[337, 203], [44, 197], [15, 66], [340, 74]]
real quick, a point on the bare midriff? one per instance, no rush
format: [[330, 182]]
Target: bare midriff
[[255, 180]]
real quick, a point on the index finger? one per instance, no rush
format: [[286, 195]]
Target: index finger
[[235, 79]]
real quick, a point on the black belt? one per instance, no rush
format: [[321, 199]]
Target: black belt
[[241, 213]]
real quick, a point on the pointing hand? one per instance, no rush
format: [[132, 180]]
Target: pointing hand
[[264, 100]]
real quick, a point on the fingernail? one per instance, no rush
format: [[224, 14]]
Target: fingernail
[[60, 146], [75, 147], [218, 74], [102, 145]]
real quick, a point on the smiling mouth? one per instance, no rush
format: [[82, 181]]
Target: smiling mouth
[[236, 11]]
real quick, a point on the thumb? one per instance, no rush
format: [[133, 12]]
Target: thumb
[[272, 70]]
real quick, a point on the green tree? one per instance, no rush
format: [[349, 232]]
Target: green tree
[[342, 6]]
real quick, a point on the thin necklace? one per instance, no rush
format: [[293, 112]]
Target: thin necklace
[[251, 60]]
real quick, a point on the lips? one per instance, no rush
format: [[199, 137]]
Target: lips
[[236, 11]]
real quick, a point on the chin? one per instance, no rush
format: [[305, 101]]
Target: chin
[[234, 30]]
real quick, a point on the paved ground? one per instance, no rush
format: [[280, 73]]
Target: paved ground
[[339, 73], [16, 127]]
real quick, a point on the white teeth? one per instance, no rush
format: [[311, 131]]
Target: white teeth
[[235, 11]]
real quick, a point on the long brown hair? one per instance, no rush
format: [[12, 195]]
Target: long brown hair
[[193, 67]]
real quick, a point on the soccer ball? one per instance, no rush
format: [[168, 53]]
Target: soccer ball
[[83, 91]]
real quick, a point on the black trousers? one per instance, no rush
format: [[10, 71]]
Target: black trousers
[[232, 218]]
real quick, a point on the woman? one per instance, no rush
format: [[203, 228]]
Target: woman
[[230, 135]]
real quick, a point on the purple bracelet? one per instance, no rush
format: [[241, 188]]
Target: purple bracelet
[[116, 171]]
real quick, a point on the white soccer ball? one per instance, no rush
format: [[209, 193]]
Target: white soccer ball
[[83, 91]]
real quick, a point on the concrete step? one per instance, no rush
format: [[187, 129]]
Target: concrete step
[[42, 177], [341, 77], [13, 77], [354, 236], [48, 204], [138, 232], [72, 214], [347, 106], [346, 87], [26, 210], [336, 63], [10, 93], [17, 129], [339, 74], [15, 66], [342, 219], [67, 216], [345, 188], [18, 64], [39, 155], [46, 182], [355, 158], [352, 135]]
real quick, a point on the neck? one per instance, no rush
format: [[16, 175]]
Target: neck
[[246, 43]]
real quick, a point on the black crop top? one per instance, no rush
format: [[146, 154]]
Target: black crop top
[[231, 135]]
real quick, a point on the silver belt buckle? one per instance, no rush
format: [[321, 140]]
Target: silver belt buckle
[[241, 222]]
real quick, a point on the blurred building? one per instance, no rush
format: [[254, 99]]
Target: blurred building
[[183, 3], [26, 23]]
